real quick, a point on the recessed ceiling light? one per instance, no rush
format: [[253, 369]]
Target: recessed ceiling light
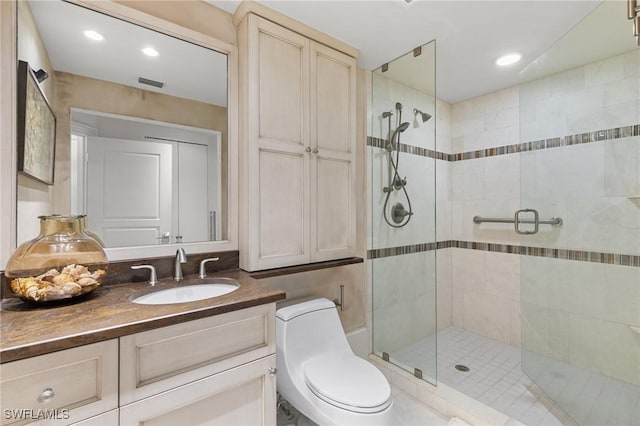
[[94, 35], [150, 51], [509, 59]]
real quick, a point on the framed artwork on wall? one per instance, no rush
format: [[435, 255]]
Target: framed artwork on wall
[[36, 130]]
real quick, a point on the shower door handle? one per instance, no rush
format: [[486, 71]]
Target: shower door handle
[[308, 149], [315, 150], [536, 221]]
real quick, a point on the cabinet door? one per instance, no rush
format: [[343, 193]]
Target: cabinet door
[[333, 133], [279, 145], [244, 395]]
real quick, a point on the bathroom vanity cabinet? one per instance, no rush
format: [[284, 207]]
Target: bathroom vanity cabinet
[[215, 370], [297, 139]]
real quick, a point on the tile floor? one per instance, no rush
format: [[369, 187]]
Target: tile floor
[[408, 411], [495, 378]]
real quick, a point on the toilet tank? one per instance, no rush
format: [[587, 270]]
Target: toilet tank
[[310, 328]]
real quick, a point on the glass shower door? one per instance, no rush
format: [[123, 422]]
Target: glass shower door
[[401, 147], [580, 161]]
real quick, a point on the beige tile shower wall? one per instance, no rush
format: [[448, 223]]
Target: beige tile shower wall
[[403, 300], [486, 121], [599, 95], [444, 282], [404, 286], [578, 312], [418, 170], [583, 314], [486, 294]]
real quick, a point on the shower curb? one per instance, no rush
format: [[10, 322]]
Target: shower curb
[[442, 398]]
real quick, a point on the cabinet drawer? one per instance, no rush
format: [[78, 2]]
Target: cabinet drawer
[[244, 395], [157, 360], [64, 387]]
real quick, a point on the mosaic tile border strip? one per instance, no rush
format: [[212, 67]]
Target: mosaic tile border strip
[[409, 149], [400, 250], [577, 139], [554, 253]]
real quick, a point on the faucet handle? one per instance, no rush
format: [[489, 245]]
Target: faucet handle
[[153, 277], [203, 263]]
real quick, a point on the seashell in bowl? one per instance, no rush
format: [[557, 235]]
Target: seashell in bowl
[[73, 281]]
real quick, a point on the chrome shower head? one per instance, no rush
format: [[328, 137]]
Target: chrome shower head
[[423, 115], [404, 126]]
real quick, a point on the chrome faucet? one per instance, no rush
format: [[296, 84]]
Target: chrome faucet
[[181, 257], [203, 266]]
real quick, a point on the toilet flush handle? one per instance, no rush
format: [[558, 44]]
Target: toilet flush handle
[[273, 371]]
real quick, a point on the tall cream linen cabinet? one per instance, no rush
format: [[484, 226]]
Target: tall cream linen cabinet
[[297, 148]]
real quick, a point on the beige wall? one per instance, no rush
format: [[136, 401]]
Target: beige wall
[[33, 197], [326, 283]]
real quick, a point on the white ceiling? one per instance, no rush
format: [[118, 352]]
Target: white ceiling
[[188, 71], [469, 35]]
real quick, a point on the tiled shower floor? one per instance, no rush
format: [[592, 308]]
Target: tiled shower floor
[[495, 378]]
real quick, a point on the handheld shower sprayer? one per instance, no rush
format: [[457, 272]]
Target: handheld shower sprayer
[[401, 128], [399, 215]]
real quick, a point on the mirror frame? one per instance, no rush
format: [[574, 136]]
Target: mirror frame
[[8, 151]]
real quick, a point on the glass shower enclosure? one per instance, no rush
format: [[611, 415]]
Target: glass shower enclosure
[[580, 161], [401, 151]]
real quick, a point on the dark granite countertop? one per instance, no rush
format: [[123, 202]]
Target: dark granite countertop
[[29, 330]]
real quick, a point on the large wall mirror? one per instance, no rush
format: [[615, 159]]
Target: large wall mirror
[[142, 129]]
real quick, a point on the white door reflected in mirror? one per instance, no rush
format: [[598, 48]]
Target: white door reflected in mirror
[[147, 183]]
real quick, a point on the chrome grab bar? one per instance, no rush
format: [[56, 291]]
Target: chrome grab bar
[[536, 221], [554, 221]]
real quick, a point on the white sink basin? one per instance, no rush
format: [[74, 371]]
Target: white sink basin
[[187, 293]]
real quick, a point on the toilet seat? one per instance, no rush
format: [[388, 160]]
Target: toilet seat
[[348, 382]]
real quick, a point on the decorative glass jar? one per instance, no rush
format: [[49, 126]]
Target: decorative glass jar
[[63, 262]]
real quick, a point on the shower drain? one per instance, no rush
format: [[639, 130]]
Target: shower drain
[[461, 367]]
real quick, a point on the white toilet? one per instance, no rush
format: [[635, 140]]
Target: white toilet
[[320, 375]]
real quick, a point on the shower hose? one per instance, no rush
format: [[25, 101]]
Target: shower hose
[[394, 181]]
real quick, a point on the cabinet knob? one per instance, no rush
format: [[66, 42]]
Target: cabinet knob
[[46, 395], [273, 370], [315, 150], [308, 149]]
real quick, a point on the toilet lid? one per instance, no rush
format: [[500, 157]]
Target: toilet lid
[[349, 382]]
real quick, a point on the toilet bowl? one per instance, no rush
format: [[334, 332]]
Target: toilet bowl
[[319, 373]]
